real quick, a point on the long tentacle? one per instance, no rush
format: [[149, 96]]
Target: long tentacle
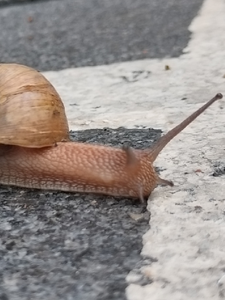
[[164, 140]]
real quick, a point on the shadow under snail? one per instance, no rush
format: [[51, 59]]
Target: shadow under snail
[[35, 150]]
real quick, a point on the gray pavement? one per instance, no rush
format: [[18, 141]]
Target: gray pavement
[[72, 246], [52, 35]]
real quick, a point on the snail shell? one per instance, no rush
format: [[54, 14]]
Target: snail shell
[[31, 111]]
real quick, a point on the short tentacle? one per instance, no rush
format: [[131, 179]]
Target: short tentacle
[[162, 181], [131, 156]]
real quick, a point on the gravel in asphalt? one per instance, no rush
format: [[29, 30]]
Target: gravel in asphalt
[[54, 35], [57, 245]]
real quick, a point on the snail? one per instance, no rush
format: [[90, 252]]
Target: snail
[[35, 150]]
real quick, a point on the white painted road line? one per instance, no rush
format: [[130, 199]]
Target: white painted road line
[[187, 221]]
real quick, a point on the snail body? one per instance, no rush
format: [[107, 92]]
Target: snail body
[[51, 161], [78, 167]]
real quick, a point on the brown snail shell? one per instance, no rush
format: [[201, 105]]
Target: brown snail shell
[[32, 113]]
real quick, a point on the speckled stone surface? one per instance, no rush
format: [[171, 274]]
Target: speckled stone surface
[[54, 35]]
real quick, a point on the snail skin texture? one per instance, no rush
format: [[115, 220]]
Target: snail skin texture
[[35, 150]]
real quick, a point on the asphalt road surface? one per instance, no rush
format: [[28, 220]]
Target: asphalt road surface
[[72, 246], [52, 35]]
